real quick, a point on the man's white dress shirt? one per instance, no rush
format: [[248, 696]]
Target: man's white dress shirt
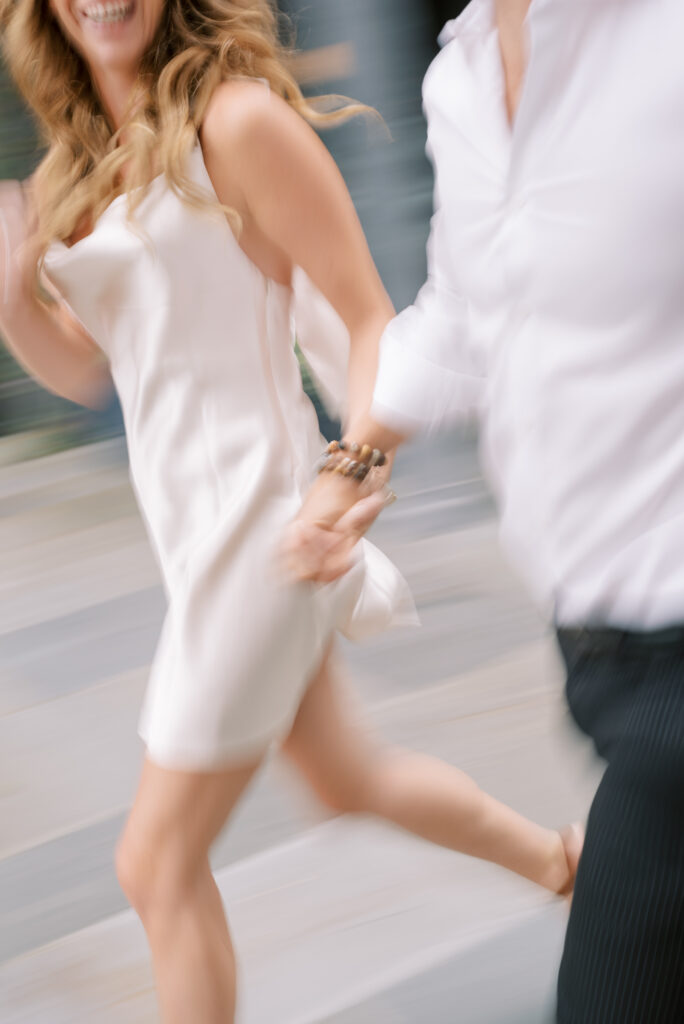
[[554, 306]]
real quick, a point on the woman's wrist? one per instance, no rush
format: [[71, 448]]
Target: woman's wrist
[[351, 459], [374, 434]]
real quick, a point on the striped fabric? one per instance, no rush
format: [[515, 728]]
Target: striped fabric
[[623, 961]]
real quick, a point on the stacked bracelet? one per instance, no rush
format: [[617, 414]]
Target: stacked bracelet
[[357, 465]]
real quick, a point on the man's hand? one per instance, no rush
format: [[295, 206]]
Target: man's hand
[[317, 551]]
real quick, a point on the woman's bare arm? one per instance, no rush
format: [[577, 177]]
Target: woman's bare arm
[[46, 340], [270, 165]]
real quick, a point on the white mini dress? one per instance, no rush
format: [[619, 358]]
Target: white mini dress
[[222, 439]]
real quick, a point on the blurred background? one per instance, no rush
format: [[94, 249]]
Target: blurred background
[[336, 921]]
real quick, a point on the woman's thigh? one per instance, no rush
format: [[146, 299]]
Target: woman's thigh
[[177, 815], [330, 744]]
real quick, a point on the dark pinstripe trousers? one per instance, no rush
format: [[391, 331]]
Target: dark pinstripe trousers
[[623, 961]]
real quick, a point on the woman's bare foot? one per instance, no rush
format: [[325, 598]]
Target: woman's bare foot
[[566, 847], [572, 838]]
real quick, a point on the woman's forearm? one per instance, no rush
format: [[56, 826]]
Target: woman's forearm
[[363, 369], [57, 352], [332, 495], [47, 341]]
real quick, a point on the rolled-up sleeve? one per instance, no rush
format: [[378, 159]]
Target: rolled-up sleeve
[[426, 377]]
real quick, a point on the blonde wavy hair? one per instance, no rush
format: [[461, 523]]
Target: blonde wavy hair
[[198, 45]]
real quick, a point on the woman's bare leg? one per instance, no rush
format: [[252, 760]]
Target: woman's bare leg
[[352, 773], [163, 867]]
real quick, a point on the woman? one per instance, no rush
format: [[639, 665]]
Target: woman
[[149, 104], [554, 311]]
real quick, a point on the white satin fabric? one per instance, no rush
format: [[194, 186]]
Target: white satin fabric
[[222, 439]]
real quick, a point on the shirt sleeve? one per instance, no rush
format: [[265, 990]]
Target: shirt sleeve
[[426, 375]]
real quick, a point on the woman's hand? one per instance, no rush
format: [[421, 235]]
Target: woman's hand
[[17, 260]]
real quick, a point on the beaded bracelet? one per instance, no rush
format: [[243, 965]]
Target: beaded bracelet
[[363, 452], [357, 465]]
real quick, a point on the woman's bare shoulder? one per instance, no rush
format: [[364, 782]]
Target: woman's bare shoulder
[[244, 114], [246, 123], [253, 142]]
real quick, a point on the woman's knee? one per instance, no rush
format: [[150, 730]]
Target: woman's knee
[[133, 870], [154, 875], [343, 795], [366, 790]]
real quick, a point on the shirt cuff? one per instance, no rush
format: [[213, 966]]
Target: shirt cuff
[[413, 394]]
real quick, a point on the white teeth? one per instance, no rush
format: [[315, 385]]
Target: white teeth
[[108, 12]]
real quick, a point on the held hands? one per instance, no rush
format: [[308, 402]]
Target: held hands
[[336, 514]]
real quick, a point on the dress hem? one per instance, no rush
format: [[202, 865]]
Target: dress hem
[[230, 755]]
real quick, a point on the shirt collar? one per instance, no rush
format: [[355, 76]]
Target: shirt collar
[[475, 20]]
